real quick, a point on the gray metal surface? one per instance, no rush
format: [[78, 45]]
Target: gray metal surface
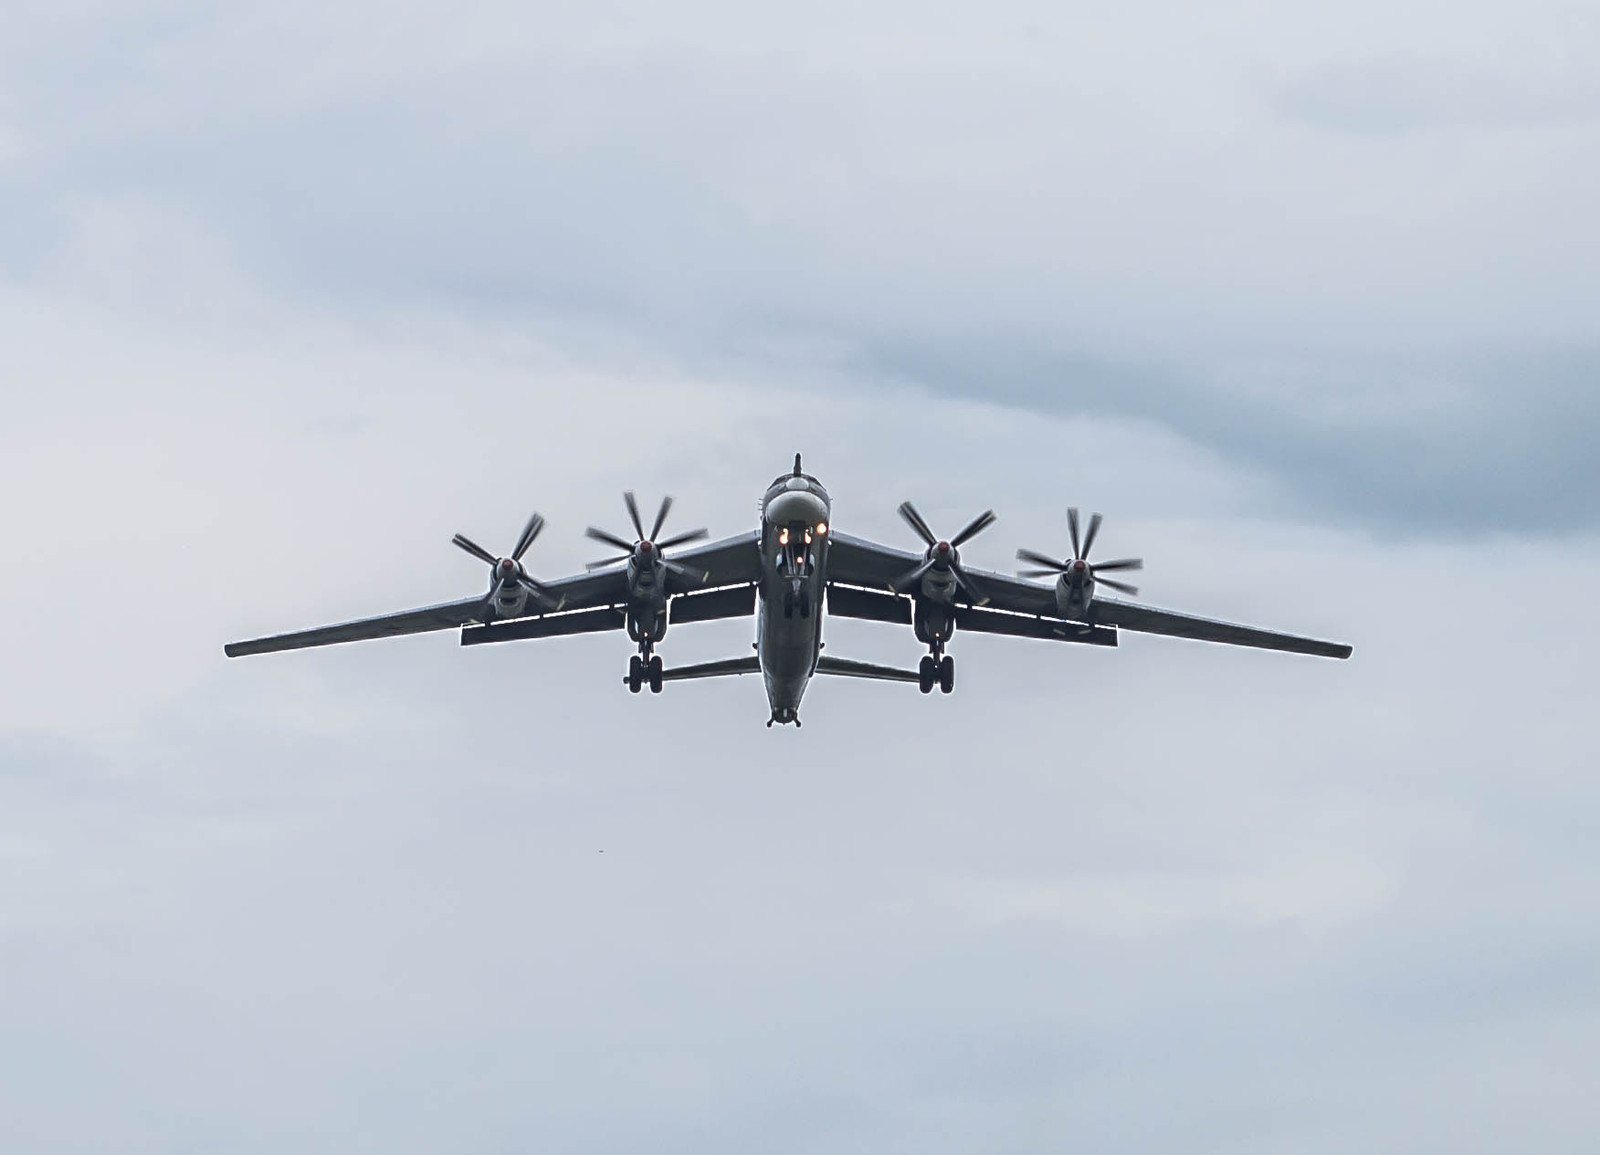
[[440, 617], [724, 668], [1149, 620], [546, 626], [845, 668]]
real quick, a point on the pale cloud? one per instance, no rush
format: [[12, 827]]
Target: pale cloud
[[294, 293]]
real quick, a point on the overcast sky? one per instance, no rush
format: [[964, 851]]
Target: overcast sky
[[1305, 302]]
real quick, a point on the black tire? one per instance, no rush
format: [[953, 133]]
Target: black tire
[[788, 603], [947, 674], [655, 675], [927, 674], [635, 674]]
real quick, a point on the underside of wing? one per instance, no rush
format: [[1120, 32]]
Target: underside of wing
[[732, 561], [440, 617], [858, 562], [1148, 620]]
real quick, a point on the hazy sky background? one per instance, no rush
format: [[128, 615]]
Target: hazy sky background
[[1305, 302]]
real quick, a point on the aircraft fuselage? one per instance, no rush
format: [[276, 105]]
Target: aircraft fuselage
[[796, 516]]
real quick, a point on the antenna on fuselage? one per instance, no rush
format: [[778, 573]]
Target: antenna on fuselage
[[797, 465]]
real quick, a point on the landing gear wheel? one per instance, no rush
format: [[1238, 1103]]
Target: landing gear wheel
[[654, 671], [635, 674], [947, 674], [805, 604], [927, 674], [788, 603]]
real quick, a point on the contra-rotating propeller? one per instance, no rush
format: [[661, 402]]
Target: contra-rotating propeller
[[508, 570], [1078, 568], [944, 553], [645, 550]]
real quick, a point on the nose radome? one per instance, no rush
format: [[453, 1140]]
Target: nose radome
[[791, 506]]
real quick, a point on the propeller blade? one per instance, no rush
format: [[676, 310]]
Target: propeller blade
[[974, 590], [525, 538], [1034, 573], [901, 584], [633, 512], [1088, 538], [684, 571], [1072, 528], [683, 538], [594, 565], [1131, 591], [1120, 563], [545, 595], [472, 547], [978, 524], [1039, 559], [537, 586], [914, 520], [661, 517], [609, 538]]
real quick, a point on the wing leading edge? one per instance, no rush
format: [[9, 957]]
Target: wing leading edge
[[440, 617], [857, 561], [1149, 620]]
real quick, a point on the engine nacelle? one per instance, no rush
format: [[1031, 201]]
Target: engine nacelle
[[510, 600], [1073, 597], [933, 621], [647, 624]]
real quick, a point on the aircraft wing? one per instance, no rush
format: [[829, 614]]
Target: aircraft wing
[[440, 617], [856, 561], [732, 561], [580, 591], [1149, 620]]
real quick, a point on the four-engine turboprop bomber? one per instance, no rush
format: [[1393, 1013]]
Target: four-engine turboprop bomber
[[786, 574]]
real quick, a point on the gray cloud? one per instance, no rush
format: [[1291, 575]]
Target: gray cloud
[[1412, 93], [293, 293], [1003, 215]]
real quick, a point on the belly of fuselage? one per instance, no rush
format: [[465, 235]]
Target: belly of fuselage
[[788, 642]]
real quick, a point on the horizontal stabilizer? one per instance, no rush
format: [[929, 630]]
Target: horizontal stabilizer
[[844, 668], [750, 665]]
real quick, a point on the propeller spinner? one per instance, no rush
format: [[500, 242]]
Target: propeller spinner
[[646, 550], [944, 553], [508, 571], [1078, 569]]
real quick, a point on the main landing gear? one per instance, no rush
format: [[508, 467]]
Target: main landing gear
[[644, 668], [937, 668]]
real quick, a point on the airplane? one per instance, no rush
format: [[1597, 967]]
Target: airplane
[[788, 573]]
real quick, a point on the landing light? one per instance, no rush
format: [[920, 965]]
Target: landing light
[[822, 528], [783, 537]]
